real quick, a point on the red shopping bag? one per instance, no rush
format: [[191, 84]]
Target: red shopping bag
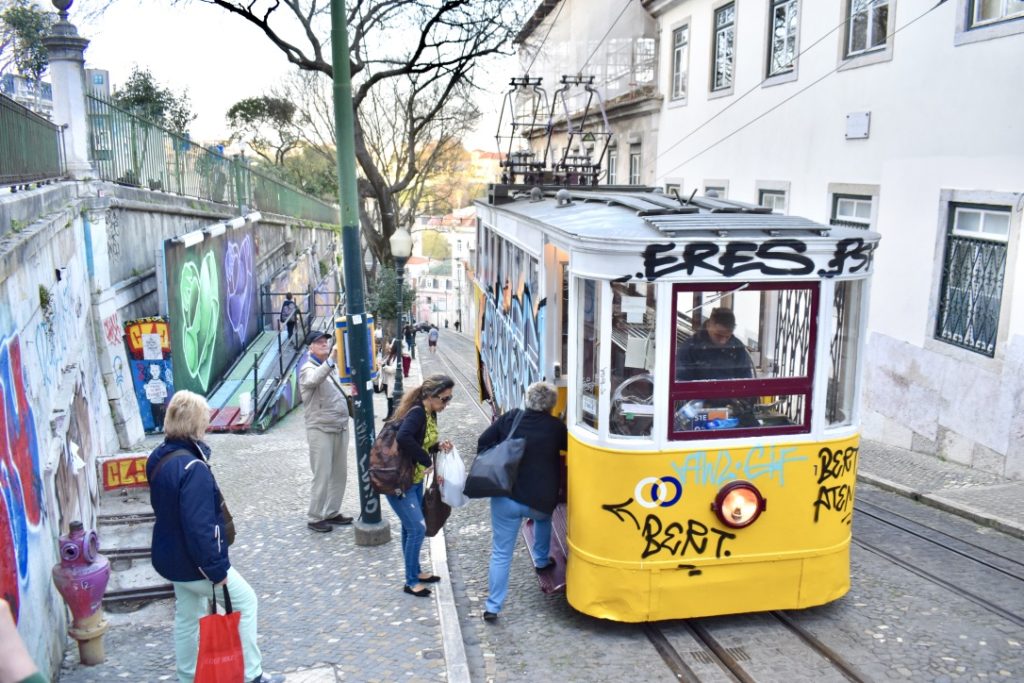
[[220, 647]]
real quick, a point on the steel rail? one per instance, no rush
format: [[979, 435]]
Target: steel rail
[[838, 661]]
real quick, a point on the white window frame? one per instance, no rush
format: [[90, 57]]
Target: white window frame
[[680, 63], [969, 31], [791, 7], [635, 164], [855, 201], [613, 160], [843, 190], [721, 187], [870, 55], [762, 194], [718, 33]]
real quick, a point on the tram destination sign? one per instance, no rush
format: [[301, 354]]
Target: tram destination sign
[[785, 257]]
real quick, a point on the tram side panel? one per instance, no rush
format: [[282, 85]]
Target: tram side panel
[[645, 544]]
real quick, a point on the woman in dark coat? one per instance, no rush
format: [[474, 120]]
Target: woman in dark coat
[[535, 493], [418, 441], [190, 546]]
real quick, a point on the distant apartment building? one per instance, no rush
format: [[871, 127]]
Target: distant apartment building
[[443, 293], [35, 96], [896, 115]]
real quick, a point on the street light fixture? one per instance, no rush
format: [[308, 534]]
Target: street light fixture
[[401, 250]]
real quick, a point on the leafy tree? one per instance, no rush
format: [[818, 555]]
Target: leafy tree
[[382, 297], [23, 25], [412, 65], [267, 125], [435, 246], [142, 95]]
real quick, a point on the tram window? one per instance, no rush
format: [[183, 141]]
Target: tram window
[[843, 348], [742, 357], [589, 326], [632, 359]]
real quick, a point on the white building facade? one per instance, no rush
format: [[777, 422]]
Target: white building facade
[[899, 115]]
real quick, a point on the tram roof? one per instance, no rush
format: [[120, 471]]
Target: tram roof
[[646, 214]]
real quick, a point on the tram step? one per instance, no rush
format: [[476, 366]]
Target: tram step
[[552, 580]]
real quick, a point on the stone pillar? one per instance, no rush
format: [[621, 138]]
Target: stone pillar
[[66, 51]]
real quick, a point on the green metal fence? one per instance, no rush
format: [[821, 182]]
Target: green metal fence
[[31, 148], [129, 150]]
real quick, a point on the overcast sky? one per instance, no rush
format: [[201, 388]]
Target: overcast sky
[[218, 57]]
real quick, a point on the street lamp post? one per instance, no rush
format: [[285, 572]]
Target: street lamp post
[[370, 528], [401, 250]]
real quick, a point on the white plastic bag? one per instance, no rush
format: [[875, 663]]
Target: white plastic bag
[[451, 468]]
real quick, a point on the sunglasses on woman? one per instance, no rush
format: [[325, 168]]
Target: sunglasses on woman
[[444, 399]]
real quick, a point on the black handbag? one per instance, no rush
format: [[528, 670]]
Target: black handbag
[[494, 471], [435, 510]]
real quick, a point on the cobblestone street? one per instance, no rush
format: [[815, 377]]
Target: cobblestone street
[[329, 610]]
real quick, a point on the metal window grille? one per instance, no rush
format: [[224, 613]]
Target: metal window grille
[[836, 370], [972, 290], [792, 341]]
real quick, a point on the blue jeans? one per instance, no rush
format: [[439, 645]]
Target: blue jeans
[[409, 509], [506, 517]]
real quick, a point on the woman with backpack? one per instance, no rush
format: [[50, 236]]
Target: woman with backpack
[[418, 440]]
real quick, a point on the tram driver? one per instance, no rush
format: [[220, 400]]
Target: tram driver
[[714, 352]]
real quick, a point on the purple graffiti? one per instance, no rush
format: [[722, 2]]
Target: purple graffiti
[[20, 483], [238, 275]]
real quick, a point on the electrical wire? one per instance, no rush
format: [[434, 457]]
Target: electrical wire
[[798, 92]]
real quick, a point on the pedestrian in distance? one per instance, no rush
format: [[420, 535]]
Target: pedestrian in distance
[[325, 410], [386, 375], [432, 336], [410, 340], [289, 314], [190, 545], [535, 493], [418, 441]]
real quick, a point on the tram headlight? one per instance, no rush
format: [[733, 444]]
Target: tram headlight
[[738, 504]]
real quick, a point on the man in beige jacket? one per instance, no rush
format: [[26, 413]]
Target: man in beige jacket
[[326, 413]]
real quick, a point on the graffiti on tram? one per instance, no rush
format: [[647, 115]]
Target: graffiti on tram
[[510, 347]]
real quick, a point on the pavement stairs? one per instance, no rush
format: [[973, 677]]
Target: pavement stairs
[[124, 525]]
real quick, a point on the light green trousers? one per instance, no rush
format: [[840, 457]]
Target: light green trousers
[[192, 602]]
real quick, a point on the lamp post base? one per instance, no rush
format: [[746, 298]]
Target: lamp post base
[[376, 533]]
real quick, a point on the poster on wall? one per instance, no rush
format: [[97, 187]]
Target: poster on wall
[[149, 355], [211, 305]]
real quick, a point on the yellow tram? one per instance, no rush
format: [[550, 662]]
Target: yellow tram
[[707, 353]]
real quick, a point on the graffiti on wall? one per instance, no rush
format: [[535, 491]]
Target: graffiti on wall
[[56, 331], [296, 279], [21, 487], [211, 305], [510, 349], [149, 352]]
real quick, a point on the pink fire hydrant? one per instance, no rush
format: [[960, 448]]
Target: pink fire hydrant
[[81, 577]]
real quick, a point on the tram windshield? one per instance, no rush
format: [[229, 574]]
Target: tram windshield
[[742, 358]]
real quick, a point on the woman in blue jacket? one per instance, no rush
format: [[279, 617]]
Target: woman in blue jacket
[[190, 546], [417, 440]]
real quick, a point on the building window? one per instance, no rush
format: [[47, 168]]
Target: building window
[[972, 277], [716, 191], [782, 36], [992, 11], [680, 61], [613, 160], [851, 210], [724, 46], [773, 199], [867, 26], [634, 164], [672, 189]]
